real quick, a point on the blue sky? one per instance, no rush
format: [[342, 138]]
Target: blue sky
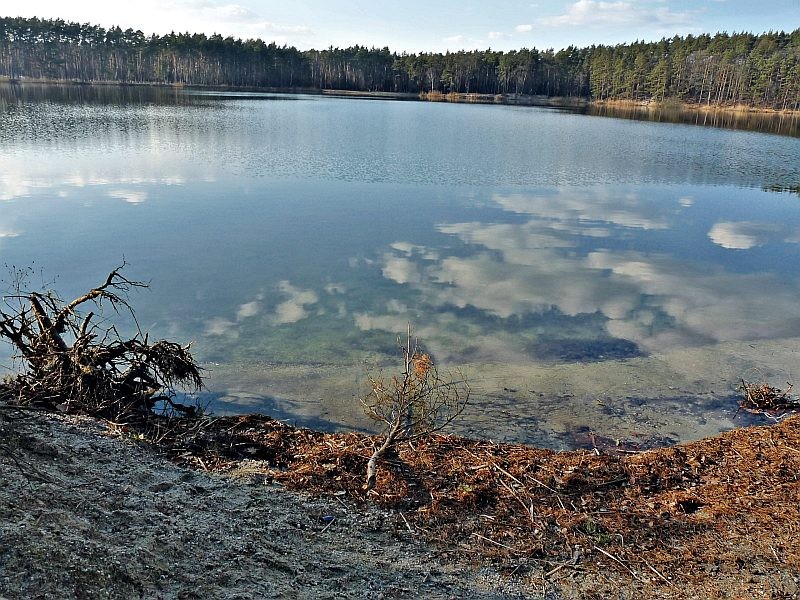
[[427, 25]]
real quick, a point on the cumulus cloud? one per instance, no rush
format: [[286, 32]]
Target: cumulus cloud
[[515, 240], [404, 247], [233, 12], [14, 185], [524, 28], [503, 289], [366, 322], [657, 301], [294, 308], [497, 35], [20, 180], [454, 39], [401, 270], [219, 326], [280, 28], [701, 300], [223, 15], [462, 42]]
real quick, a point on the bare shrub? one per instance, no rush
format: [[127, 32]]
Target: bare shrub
[[412, 404]]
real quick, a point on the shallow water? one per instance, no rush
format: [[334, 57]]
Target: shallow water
[[585, 273]]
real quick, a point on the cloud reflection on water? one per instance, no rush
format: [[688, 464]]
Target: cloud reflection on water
[[743, 235], [657, 300], [601, 205], [294, 307]]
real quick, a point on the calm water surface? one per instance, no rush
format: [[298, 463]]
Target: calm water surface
[[586, 273]]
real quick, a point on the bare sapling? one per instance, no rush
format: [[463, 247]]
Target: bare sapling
[[413, 404]]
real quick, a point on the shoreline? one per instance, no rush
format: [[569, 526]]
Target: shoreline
[[563, 102], [670, 104], [93, 511]]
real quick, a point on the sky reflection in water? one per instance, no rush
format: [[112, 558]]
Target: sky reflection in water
[[585, 272]]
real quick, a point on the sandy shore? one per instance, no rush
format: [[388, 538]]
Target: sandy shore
[[90, 514]]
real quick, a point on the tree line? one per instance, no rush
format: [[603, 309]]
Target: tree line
[[740, 68]]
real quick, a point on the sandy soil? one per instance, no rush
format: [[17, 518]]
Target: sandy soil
[[87, 514]]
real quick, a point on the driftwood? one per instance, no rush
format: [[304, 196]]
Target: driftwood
[[764, 398], [74, 364]]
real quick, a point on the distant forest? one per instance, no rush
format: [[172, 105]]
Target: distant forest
[[741, 68]]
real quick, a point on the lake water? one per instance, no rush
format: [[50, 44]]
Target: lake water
[[586, 273]]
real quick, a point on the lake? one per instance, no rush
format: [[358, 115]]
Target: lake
[[586, 273]]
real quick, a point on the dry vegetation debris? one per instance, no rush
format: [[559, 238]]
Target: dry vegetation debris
[[762, 398], [662, 517]]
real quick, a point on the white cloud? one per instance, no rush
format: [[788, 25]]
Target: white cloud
[[222, 327], [233, 12], [404, 247], [393, 323], [463, 42], [623, 12], [20, 177], [700, 299], [289, 312], [497, 35], [525, 28], [454, 39], [401, 270], [279, 28], [163, 16], [518, 243], [739, 236], [656, 301], [395, 306]]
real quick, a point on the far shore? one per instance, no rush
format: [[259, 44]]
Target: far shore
[[566, 102]]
